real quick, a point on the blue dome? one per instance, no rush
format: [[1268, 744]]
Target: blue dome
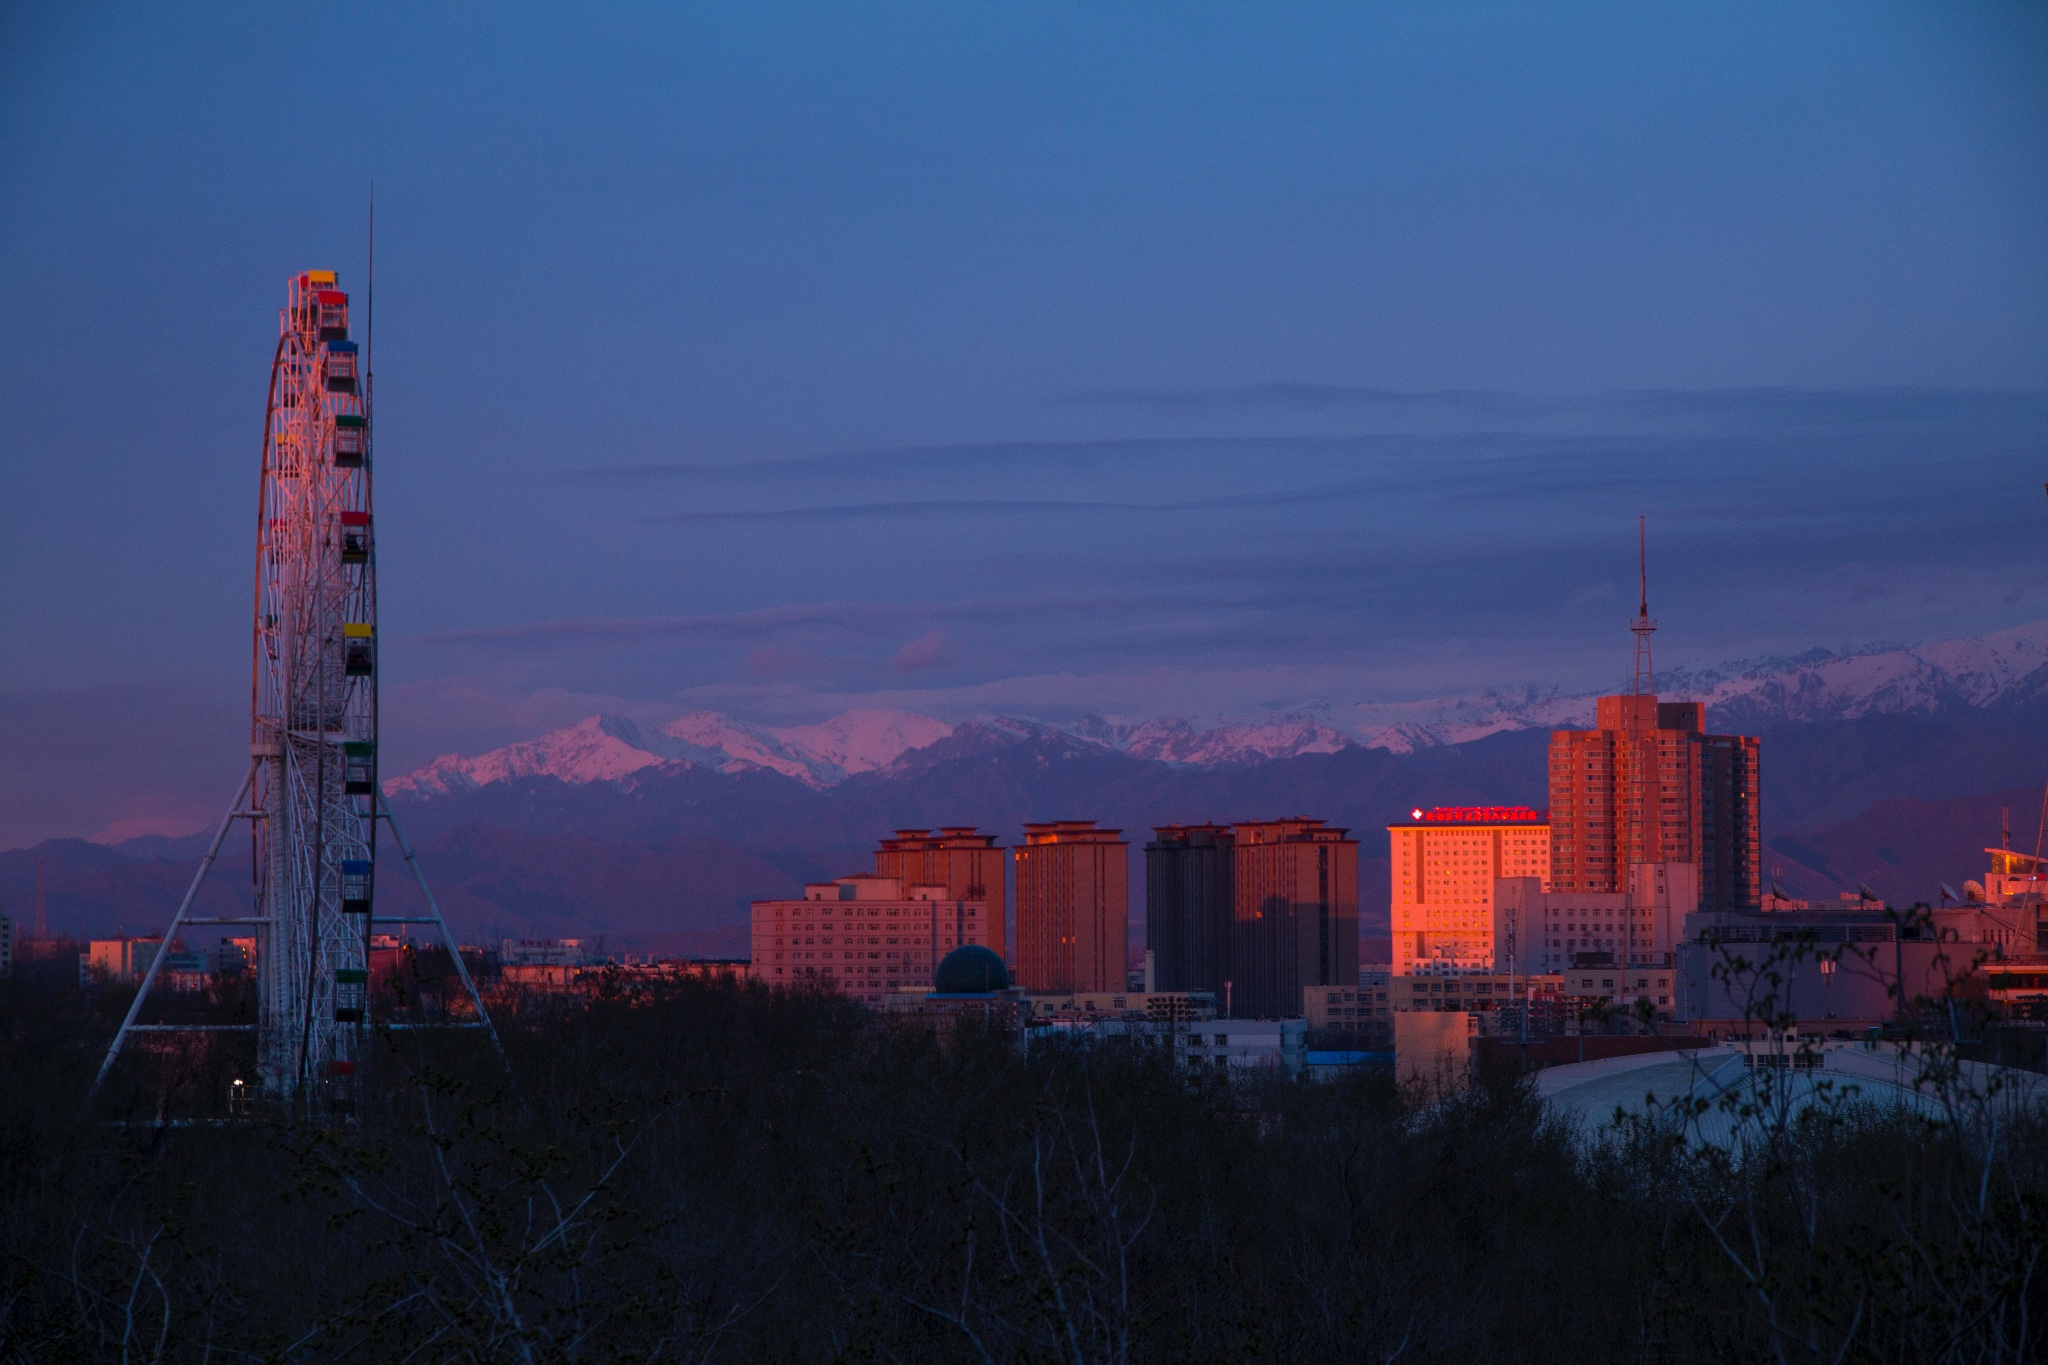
[[972, 970]]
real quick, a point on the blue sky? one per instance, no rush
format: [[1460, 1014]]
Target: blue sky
[[1045, 359]]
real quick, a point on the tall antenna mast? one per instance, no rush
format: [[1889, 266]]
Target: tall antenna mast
[[1644, 628], [42, 910], [370, 318]]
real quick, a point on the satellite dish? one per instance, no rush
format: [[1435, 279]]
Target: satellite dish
[[1866, 892], [1948, 893]]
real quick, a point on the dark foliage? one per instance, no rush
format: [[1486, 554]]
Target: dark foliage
[[714, 1173]]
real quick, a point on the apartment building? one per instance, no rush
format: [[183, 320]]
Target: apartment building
[[863, 936]]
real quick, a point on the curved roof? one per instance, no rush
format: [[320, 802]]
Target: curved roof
[[971, 970], [1717, 1096]]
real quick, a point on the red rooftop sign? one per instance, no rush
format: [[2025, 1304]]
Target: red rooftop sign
[[1478, 815]]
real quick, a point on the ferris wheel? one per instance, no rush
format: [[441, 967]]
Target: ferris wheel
[[312, 790], [313, 724]]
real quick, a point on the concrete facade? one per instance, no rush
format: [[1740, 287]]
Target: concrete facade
[[1553, 930], [1445, 863], [1648, 785], [863, 936], [1294, 914], [1226, 1046], [1364, 1010], [121, 961], [1073, 908], [1190, 888], [959, 858]]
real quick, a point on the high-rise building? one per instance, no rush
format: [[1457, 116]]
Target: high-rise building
[[864, 936], [1073, 910], [1444, 865], [960, 858], [1648, 785], [1294, 920], [1190, 887]]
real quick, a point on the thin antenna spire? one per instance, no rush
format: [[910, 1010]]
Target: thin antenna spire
[[370, 299], [1644, 628], [42, 911]]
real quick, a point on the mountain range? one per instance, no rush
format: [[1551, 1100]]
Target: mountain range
[[1749, 696], [1882, 767]]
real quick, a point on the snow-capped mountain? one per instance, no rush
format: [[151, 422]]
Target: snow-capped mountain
[[1817, 686], [1748, 695], [608, 748], [1953, 673], [816, 755], [1178, 741], [600, 749]]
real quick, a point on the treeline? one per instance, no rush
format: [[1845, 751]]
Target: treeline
[[717, 1173]]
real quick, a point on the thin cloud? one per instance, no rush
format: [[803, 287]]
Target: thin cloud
[[1219, 503], [630, 629], [1303, 395], [993, 457]]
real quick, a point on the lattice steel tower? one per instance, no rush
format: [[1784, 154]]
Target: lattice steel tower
[[312, 789]]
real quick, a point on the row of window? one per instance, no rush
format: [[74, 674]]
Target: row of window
[[872, 942]]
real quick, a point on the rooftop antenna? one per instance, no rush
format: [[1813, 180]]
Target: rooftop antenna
[[1644, 628], [370, 302], [42, 909]]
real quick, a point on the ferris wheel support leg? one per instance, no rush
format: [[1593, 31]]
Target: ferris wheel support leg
[[447, 939], [157, 960]]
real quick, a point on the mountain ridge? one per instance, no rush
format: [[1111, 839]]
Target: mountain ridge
[[1747, 696]]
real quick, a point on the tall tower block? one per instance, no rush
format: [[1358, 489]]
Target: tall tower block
[[1073, 911], [1295, 914], [1648, 785], [960, 858]]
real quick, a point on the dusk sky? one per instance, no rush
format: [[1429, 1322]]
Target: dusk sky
[[1171, 360]]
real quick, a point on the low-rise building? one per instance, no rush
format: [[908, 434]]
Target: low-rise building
[[194, 969], [117, 961], [2019, 990], [865, 936], [1165, 1007], [1434, 1050], [1362, 1013], [1473, 992], [1228, 1046], [541, 952], [1501, 1003], [1608, 983], [1538, 931], [1840, 969]]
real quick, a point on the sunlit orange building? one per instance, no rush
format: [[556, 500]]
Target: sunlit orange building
[[1445, 861], [1073, 911], [1648, 785], [961, 859]]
